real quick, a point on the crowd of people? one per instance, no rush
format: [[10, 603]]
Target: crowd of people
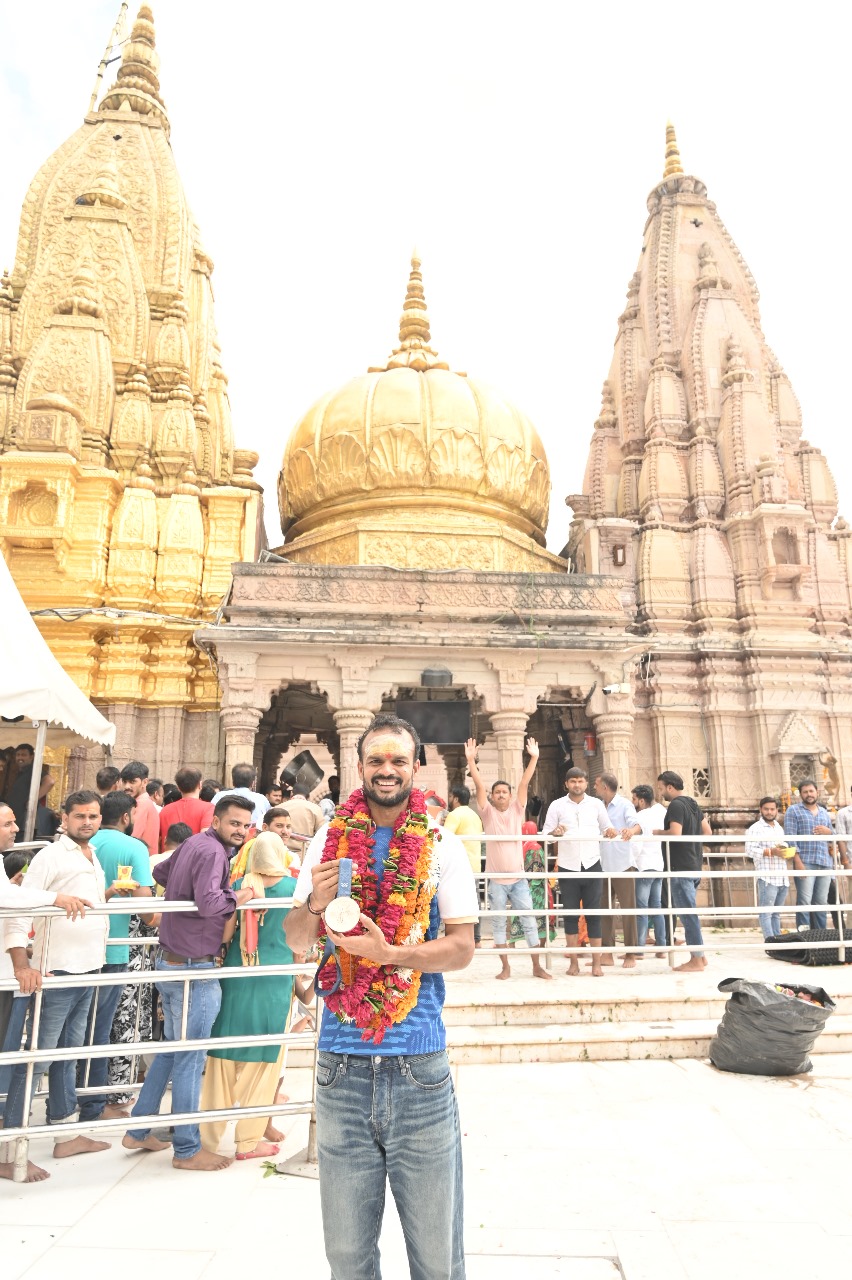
[[610, 853], [192, 840], [134, 838]]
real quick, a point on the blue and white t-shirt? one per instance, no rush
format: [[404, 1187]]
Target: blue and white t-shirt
[[455, 902]]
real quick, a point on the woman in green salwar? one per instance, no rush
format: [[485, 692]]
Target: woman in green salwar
[[248, 1075]]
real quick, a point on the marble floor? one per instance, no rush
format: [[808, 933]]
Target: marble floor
[[647, 1170]]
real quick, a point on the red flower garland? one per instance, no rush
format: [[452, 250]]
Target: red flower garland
[[373, 996]]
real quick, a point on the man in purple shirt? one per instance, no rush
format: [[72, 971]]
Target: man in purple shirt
[[198, 871]]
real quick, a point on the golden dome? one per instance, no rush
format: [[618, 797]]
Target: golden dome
[[416, 466]]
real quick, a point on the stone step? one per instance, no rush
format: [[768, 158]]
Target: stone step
[[662, 1007], [615, 1041]]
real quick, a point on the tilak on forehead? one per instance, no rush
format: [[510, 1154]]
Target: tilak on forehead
[[390, 745]]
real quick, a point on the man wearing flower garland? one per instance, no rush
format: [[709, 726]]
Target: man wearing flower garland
[[386, 1107]]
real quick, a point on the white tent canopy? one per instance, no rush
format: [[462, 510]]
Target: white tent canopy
[[34, 686]]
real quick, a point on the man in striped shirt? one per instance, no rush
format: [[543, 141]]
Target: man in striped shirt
[[764, 848], [804, 819]]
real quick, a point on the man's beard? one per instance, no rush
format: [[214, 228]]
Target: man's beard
[[388, 801]]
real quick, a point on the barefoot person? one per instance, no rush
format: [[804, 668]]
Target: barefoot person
[[75, 948], [579, 814], [386, 1108], [684, 818], [14, 1004], [196, 872], [504, 816]]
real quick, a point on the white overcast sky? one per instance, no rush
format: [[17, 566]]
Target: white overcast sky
[[514, 144]]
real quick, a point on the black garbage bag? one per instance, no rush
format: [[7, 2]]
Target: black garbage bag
[[793, 947], [764, 1032]]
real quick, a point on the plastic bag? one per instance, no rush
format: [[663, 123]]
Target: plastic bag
[[766, 1033]]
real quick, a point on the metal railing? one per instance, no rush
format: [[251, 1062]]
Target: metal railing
[[19, 1137], [712, 912]]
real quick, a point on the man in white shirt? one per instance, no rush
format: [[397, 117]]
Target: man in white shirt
[[578, 814], [764, 848], [648, 858], [616, 858], [839, 891], [68, 866], [243, 782]]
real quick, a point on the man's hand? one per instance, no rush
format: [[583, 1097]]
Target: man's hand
[[627, 833], [29, 979], [820, 830], [470, 751], [798, 864], [245, 895], [370, 944], [532, 748], [115, 892], [610, 833], [324, 878], [73, 907], [558, 831]]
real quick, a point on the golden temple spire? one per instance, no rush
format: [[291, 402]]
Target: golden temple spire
[[137, 84], [673, 164], [414, 351]]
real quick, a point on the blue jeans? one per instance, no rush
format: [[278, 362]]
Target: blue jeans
[[812, 890], [518, 895], [64, 1015], [104, 1006], [182, 1068], [390, 1119], [21, 1006], [648, 891], [770, 895], [683, 891]]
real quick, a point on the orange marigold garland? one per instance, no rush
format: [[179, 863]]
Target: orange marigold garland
[[373, 996]]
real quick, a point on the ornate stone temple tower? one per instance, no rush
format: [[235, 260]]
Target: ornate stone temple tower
[[701, 491], [123, 501], [413, 466]]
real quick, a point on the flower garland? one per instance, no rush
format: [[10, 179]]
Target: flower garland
[[374, 996]]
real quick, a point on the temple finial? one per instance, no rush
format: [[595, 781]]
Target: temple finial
[[137, 84], [414, 335], [673, 164]]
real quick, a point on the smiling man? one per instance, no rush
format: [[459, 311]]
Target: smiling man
[[386, 1108]]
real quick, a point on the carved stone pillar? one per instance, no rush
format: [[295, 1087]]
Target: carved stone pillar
[[614, 730], [240, 725], [509, 731], [350, 724]]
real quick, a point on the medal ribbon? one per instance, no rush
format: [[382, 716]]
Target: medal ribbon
[[344, 890]]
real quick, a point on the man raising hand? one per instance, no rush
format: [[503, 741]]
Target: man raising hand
[[504, 858]]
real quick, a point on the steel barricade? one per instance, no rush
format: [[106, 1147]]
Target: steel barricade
[[711, 911], [20, 1136]]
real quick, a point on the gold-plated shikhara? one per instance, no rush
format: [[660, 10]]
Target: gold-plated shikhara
[[120, 485]]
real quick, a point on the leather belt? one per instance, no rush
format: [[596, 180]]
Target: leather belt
[[171, 958]]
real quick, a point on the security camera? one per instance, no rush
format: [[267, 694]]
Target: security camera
[[616, 688]]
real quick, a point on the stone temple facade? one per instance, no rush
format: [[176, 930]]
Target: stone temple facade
[[699, 616], [123, 501]]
